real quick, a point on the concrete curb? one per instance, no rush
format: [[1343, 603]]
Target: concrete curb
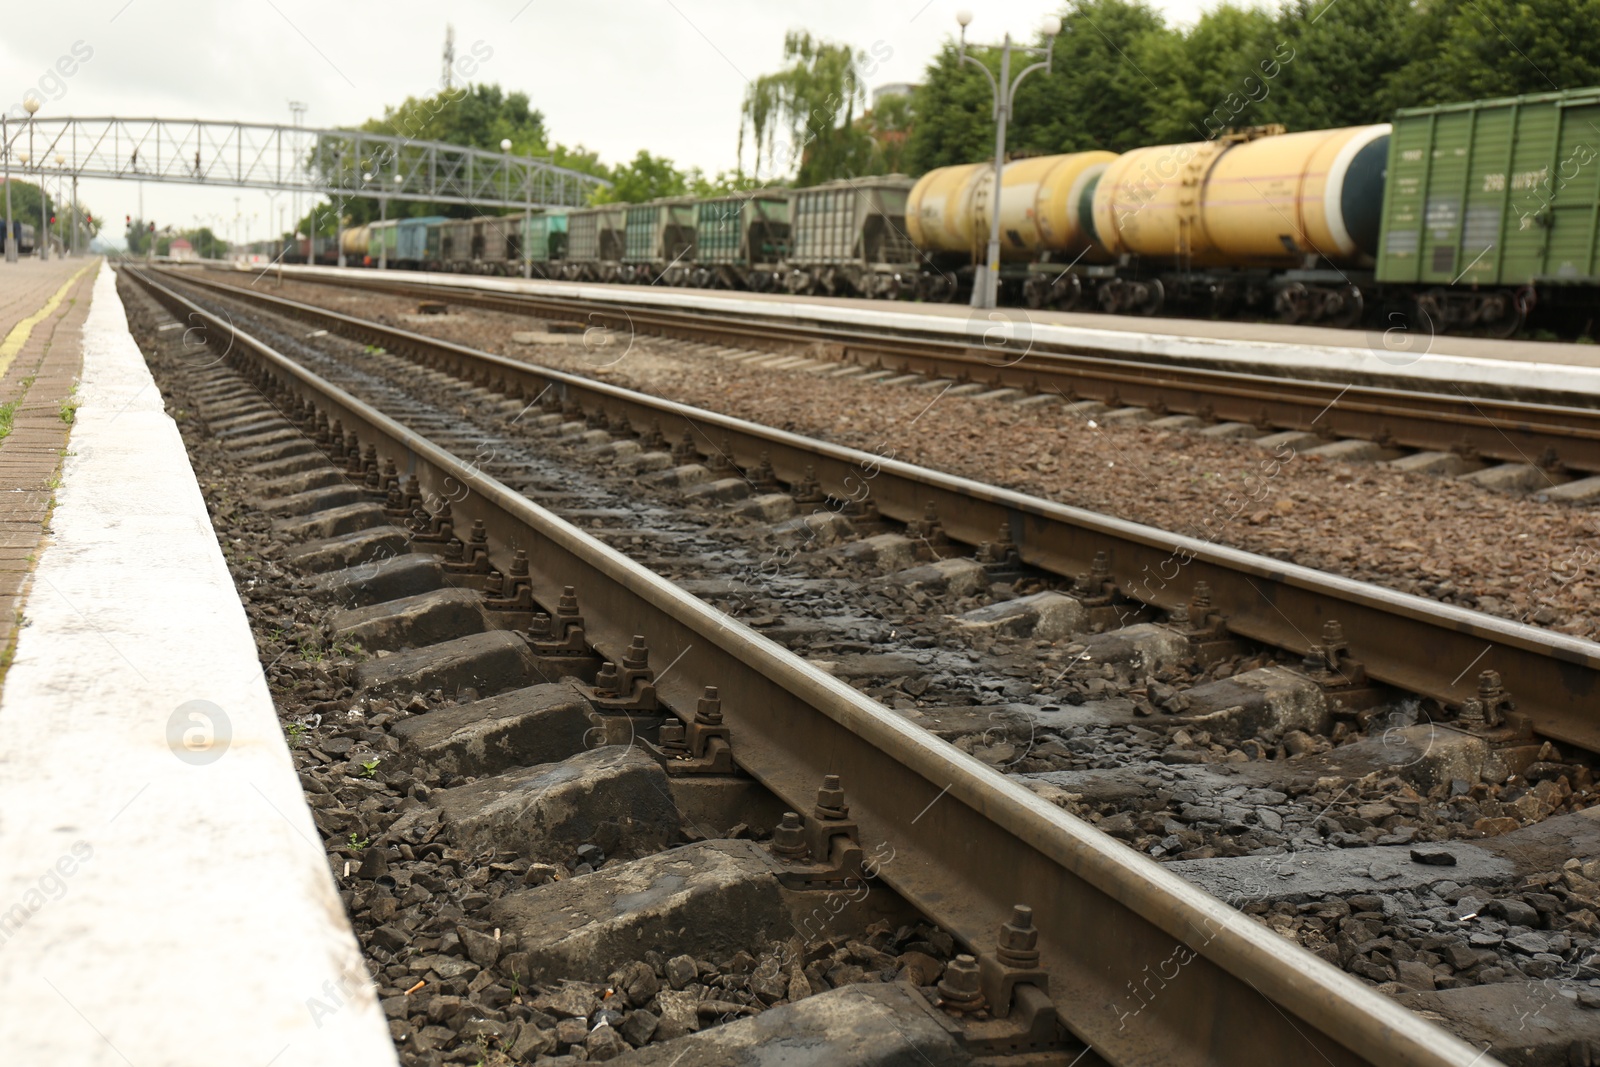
[[165, 897]]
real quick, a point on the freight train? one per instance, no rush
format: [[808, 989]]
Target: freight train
[[22, 233], [1468, 216]]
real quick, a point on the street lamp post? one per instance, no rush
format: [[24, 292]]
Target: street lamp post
[[32, 104], [61, 162], [11, 237], [986, 283], [527, 219]]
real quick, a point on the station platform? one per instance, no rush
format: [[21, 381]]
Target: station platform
[[1398, 356], [165, 898]]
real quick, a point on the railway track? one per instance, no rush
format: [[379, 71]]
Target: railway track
[[1366, 633], [1558, 433], [968, 845]]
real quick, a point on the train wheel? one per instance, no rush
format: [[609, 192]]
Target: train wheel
[[1035, 292], [1502, 314], [941, 287], [1066, 292], [1346, 306], [1151, 299], [1292, 303], [1110, 295]]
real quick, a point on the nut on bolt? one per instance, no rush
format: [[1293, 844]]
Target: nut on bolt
[[789, 838], [1019, 939], [961, 988], [830, 799], [709, 710]]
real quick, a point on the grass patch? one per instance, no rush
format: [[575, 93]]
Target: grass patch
[[8, 416]]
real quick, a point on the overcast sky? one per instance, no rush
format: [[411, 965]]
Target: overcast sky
[[615, 75]]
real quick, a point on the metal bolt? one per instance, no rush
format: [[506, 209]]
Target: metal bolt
[[605, 679], [961, 988], [1202, 596], [789, 839], [1333, 634], [1019, 939], [674, 738], [1489, 685], [539, 628], [830, 799], [1314, 661], [569, 602], [709, 711], [519, 563], [637, 657]]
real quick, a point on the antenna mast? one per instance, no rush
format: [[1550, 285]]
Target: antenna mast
[[449, 55]]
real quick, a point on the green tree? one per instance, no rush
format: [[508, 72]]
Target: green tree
[[724, 183], [1105, 89], [1339, 64], [954, 108], [1490, 48], [801, 119], [25, 203], [886, 132], [646, 178], [1212, 78]]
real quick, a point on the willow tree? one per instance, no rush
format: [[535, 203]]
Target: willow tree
[[801, 120]]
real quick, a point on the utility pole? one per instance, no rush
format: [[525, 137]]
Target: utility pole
[[298, 108], [986, 282], [32, 104], [448, 75], [11, 237]]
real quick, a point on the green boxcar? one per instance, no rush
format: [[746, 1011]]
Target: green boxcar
[[1494, 193], [547, 236], [383, 236], [744, 230], [660, 232]]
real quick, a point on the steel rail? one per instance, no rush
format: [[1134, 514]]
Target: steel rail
[[1554, 435], [1415, 644], [966, 843]]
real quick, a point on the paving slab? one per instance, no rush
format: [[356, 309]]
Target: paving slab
[[42, 310]]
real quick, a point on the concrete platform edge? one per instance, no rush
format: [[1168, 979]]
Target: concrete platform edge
[[164, 896], [1359, 360]]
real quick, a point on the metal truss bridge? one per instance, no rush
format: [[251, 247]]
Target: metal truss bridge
[[332, 163]]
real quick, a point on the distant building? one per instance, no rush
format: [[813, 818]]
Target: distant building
[[181, 249], [883, 92]]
